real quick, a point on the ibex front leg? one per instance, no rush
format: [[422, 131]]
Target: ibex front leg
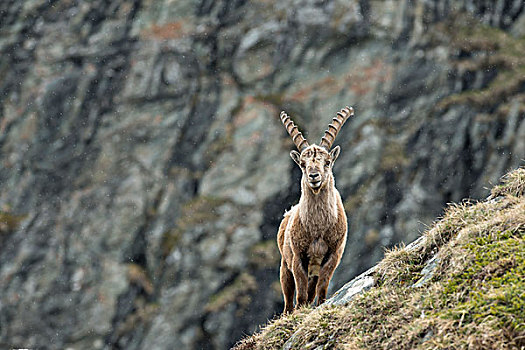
[[301, 280], [288, 287]]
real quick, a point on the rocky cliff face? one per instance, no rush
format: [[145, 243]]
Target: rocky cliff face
[[144, 170]]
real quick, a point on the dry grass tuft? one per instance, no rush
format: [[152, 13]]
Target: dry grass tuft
[[513, 184], [275, 333]]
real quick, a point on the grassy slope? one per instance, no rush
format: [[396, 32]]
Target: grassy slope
[[475, 298]]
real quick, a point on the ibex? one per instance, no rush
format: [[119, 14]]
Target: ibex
[[312, 235]]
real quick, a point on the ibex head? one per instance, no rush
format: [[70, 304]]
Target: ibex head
[[316, 162]]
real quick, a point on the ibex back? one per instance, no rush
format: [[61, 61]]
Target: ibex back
[[312, 235]]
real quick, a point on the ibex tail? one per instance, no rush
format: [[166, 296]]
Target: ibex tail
[[316, 253], [314, 266]]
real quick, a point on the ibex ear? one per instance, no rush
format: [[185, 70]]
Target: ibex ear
[[334, 153], [296, 156]]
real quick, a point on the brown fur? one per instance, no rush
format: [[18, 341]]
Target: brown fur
[[312, 235]]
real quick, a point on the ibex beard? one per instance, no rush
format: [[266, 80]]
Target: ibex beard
[[312, 235]]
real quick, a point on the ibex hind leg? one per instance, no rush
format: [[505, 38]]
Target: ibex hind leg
[[314, 267], [288, 287], [325, 275], [312, 284]]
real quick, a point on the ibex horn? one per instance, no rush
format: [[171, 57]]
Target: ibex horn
[[333, 129], [297, 136]]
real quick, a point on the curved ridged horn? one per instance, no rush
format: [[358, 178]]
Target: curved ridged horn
[[297, 136], [333, 129]]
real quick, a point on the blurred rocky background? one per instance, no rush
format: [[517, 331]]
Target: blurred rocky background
[[144, 171]]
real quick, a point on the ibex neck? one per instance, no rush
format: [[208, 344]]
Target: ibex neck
[[318, 211]]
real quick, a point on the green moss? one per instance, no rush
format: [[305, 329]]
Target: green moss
[[200, 210], [169, 241], [143, 313], [502, 52], [9, 222], [237, 292], [492, 286], [274, 99], [265, 254], [393, 157], [356, 199], [276, 333]]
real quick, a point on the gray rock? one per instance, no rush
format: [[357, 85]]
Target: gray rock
[[428, 271], [358, 285]]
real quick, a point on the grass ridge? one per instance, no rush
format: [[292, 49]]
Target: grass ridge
[[473, 298]]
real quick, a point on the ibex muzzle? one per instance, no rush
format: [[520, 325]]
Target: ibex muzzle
[[312, 235]]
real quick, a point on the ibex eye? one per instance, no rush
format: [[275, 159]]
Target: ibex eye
[[327, 163]]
